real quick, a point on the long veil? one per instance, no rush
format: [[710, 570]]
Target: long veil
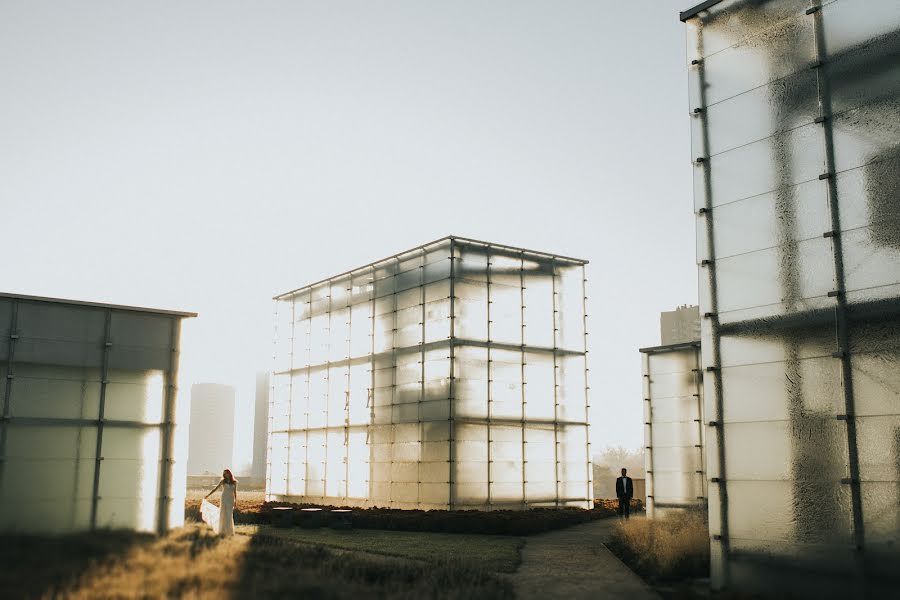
[[209, 512]]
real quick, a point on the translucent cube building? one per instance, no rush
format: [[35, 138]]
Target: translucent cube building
[[674, 430], [451, 376], [794, 108], [89, 434]]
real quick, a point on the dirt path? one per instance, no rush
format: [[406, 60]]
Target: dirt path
[[574, 563]]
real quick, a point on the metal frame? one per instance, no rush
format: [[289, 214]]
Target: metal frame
[[700, 501], [164, 481], [454, 244], [841, 316]]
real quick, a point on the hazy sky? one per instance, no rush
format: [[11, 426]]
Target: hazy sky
[[206, 155]]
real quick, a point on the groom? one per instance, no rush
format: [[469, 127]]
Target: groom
[[624, 492]]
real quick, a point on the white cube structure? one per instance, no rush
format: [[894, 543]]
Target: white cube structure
[[450, 376], [88, 431], [674, 431], [794, 108]]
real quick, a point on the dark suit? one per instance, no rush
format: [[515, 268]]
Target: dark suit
[[624, 492]]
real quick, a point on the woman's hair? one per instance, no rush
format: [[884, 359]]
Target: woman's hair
[[227, 475]]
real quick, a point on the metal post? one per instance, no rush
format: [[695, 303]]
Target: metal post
[[648, 443], [168, 438], [555, 381], [452, 457], [348, 387], [98, 450], [307, 398], [524, 377], [419, 416], [841, 309], [490, 380], [698, 389], [587, 388], [290, 399], [715, 351], [7, 384], [327, 393], [371, 392]]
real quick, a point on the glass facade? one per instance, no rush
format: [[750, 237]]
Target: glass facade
[[451, 376], [795, 106], [88, 431], [674, 430]]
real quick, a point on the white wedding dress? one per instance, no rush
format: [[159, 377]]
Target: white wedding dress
[[220, 518]]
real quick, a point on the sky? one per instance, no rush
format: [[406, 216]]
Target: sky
[[207, 155]]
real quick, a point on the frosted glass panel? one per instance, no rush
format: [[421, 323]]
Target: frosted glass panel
[[51, 391], [773, 176], [783, 49], [420, 377], [135, 396]]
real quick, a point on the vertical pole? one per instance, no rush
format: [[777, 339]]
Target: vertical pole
[[307, 399], [394, 329], [168, 437], [452, 436], [98, 450], [419, 417], [524, 376], [715, 351], [555, 381], [490, 383], [698, 393], [587, 388], [841, 308], [348, 386], [327, 428], [290, 399], [648, 443], [370, 426], [7, 384]]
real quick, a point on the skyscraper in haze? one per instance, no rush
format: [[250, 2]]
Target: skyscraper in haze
[[211, 445], [261, 426]]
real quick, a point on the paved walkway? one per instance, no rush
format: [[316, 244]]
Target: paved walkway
[[574, 563]]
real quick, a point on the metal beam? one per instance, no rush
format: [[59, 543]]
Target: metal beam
[[98, 455], [692, 12], [168, 439]]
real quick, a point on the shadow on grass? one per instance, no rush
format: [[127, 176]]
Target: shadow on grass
[[273, 567], [38, 566]]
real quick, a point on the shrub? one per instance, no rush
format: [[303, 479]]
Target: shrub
[[496, 522], [672, 548]]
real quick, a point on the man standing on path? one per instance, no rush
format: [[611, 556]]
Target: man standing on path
[[624, 492]]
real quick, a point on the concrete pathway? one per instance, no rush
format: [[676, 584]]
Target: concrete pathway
[[574, 563]]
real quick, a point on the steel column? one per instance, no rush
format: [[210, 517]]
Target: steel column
[[98, 455], [841, 309]]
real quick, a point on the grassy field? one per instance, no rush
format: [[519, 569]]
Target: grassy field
[[257, 563], [492, 552]]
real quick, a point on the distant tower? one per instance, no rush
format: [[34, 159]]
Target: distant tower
[[679, 326], [211, 446], [261, 426]]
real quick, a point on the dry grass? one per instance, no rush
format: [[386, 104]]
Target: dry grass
[[673, 548], [493, 552], [192, 563]]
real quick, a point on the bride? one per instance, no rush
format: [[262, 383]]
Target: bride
[[221, 518]]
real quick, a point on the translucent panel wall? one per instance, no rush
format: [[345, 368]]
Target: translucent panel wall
[[451, 376], [88, 423], [795, 108], [674, 432]]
